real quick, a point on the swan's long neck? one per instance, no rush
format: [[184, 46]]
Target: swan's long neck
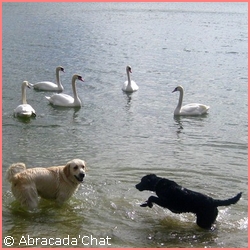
[[58, 78], [180, 100], [74, 88], [24, 94], [129, 80]]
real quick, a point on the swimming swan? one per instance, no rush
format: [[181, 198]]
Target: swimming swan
[[24, 109], [64, 100], [50, 86], [189, 109], [129, 85]]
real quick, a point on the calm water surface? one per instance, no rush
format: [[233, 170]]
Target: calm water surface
[[202, 46]]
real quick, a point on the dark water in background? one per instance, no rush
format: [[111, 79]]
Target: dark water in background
[[202, 46]]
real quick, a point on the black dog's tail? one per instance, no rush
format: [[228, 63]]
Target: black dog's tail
[[228, 201]]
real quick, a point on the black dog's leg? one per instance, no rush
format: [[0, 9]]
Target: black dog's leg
[[151, 200], [205, 220]]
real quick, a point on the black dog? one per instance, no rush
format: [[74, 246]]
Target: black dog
[[179, 200]]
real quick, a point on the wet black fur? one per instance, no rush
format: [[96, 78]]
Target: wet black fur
[[180, 200]]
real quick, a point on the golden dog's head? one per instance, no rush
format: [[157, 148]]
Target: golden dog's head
[[75, 170]]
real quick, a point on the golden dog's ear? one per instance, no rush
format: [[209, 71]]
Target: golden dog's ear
[[85, 167], [66, 170]]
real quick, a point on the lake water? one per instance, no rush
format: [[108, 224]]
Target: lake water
[[202, 46]]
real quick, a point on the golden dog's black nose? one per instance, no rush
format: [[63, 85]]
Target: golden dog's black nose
[[80, 177]]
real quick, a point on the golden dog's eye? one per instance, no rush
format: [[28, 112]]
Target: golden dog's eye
[[75, 167]]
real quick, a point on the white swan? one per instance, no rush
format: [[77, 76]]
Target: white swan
[[64, 100], [129, 85], [24, 109], [189, 109], [50, 86]]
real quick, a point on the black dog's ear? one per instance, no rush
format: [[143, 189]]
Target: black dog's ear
[[153, 175]]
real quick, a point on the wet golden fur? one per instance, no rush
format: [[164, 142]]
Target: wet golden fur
[[54, 183]]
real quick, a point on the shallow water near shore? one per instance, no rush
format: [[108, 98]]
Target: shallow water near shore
[[122, 137]]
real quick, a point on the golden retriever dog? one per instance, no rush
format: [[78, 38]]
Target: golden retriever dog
[[54, 183]]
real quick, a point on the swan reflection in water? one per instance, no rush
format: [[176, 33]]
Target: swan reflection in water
[[192, 121], [130, 98], [178, 121]]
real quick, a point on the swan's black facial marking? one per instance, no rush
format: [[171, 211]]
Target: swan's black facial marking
[[62, 69], [80, 78], [176, 89]]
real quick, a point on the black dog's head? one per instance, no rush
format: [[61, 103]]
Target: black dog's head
[[148, 182]]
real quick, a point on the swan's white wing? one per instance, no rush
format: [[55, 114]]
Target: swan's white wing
[[131, 88], [24, 110], [194, 109], [47, 86], [134, 85], [125, 84], [62, 100]]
